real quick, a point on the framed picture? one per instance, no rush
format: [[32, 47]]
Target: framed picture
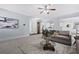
[[8, 23]]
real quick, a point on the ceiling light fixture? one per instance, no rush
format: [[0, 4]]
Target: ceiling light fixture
[[46, 9]]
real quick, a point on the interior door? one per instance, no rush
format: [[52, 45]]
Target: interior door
[[38, 27]]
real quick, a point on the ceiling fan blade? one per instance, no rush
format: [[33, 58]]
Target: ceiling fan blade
[[41, 12], [40, 8], [46, 6], [52, 9]]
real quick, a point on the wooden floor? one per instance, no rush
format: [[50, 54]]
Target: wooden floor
[[31, 45]]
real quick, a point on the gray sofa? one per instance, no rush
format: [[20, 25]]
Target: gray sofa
[[77, 44], [63, 37]]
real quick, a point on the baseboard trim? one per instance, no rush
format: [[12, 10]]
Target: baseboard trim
[[35, 33]]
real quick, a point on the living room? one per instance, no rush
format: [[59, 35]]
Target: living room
[[27, 28]]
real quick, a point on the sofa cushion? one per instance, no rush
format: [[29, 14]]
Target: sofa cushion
[[61, 37], [66, 33]]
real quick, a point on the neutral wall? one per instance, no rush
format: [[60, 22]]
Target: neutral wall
[[13, 33], [33, 25], [71, 21]]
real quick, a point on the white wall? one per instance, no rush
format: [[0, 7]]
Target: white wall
[[33, 25], [61, 24], [64, 27], [71, 21], [13, 33]]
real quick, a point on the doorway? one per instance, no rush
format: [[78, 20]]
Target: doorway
[[35, 26], [38, 27]]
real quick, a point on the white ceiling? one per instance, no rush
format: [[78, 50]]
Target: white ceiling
[[32, 9]]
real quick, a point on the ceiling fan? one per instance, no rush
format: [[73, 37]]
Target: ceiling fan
[[46, 9]]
